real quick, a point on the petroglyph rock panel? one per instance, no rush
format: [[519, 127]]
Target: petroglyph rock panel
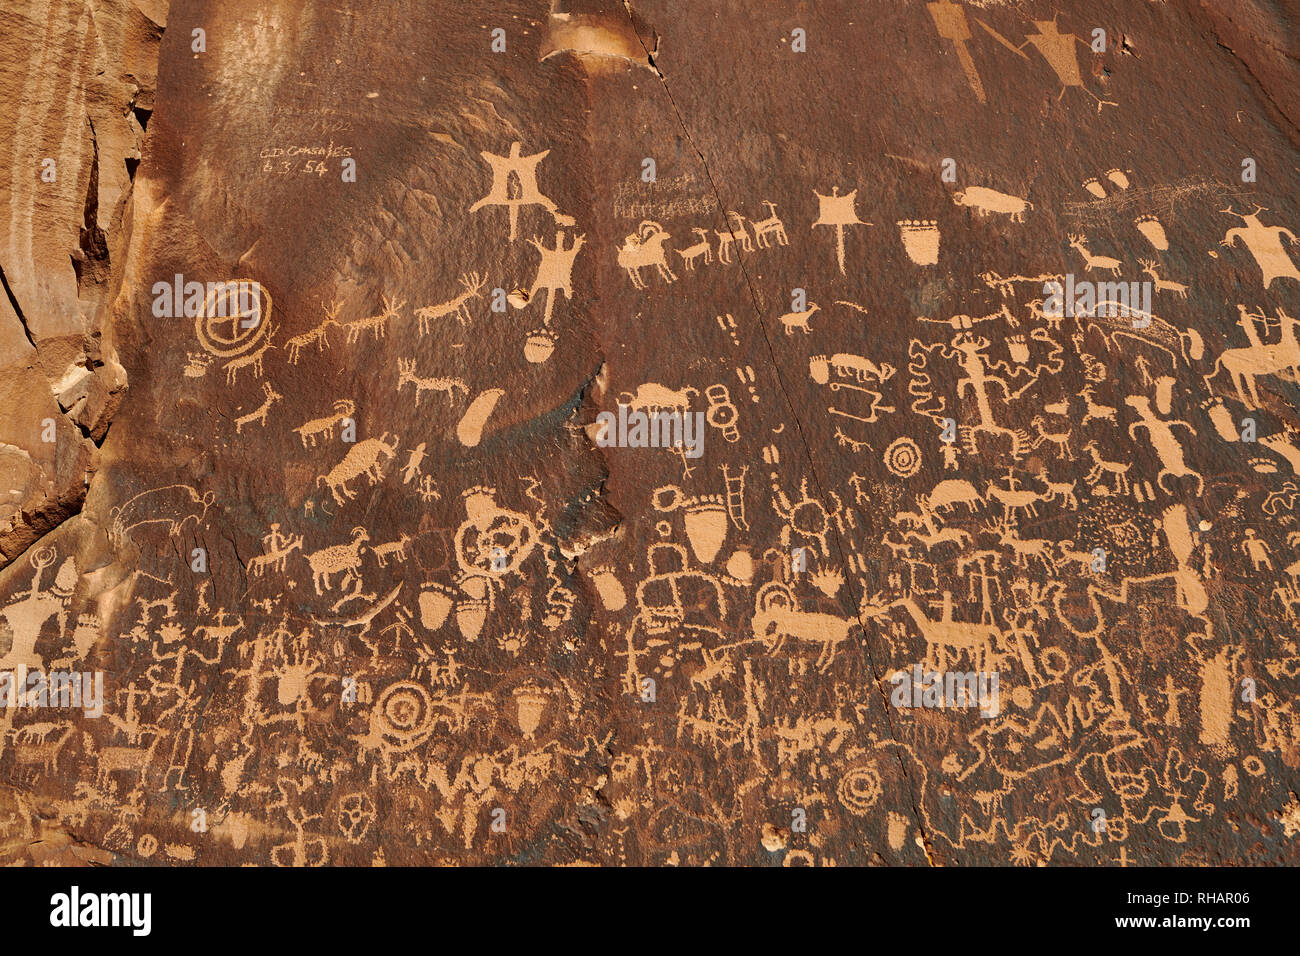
[[564, 432]]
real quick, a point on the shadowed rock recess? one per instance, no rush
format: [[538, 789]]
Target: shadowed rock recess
[[649, 433]]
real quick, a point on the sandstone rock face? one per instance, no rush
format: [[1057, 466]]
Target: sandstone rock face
[[78, 83], [976, 329]]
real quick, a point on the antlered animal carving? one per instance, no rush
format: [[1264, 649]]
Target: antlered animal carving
[[457, 306], [1106, 263], [275, 559], [406, 374]]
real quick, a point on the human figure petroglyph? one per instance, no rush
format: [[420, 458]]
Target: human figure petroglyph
[[950, 23], [950, 455], [1248, 363], [555, 271], [717, 663], [428, 489], [294, 668], [302, 850], [1257, 550], [976, 380], [514, 184], [277, 548], [1058, 49], [166, 605], [457, 305], [29, 610], [1160, 433], [1264, 243], [986, 585]]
